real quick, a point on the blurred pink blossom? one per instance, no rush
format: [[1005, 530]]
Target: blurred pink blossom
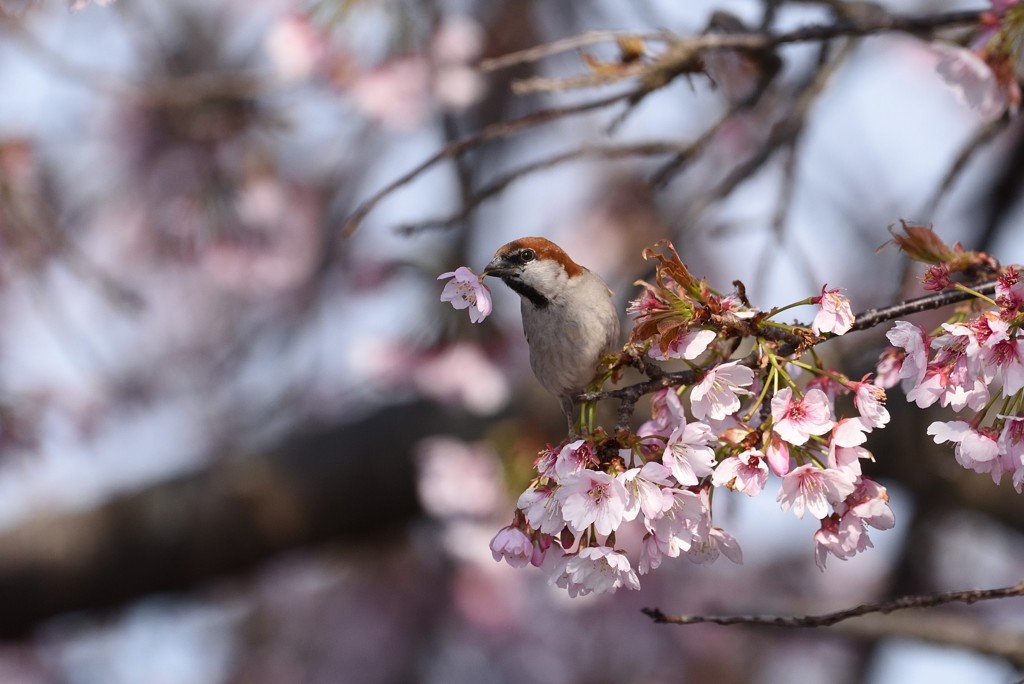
[[971, 80]]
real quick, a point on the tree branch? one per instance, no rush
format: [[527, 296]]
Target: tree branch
[[460, 147], [828, 619], [863, 321]]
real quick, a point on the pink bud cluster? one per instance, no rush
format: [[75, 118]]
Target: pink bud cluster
[[973, 364]]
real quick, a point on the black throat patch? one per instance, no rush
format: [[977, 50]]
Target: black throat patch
[[535, 297]]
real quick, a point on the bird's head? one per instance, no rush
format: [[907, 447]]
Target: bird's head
[[536, 268]]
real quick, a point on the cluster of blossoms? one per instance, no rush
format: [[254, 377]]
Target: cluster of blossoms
[[731, 424], [974, 363]]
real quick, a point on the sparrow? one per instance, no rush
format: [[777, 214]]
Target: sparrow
[[569, 318]]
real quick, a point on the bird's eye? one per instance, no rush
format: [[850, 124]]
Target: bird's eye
[[527, 255]]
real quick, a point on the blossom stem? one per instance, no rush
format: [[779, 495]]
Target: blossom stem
[[779, 309], [963, 288], [774, 360], [838, 377]]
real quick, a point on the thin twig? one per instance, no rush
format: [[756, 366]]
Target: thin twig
[[499, 130], [539, 52], [981, 137], [872, 317], [684, 47], [827, 619], [862, 321], [677, 164], [499, 184], [784, 133]]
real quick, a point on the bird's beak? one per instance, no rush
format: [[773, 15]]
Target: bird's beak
[[498, 268]]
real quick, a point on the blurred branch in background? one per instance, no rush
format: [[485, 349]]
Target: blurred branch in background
[[344, 486]]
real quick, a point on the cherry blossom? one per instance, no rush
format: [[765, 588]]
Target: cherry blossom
[[514, 545], [835, 315], [776, 452], [688, 345], [467, 291], [687, 453], [574, 457], [545, 462], [869, 401], [645, 488], [849, 432], [666, 413], [971, 80], [542, 508], [796, 420], [717, 394], [685, 521], [650, 554], [811, 488], [591, 497], [887, 370], [1004, 361], [1011, 449], [717, 542], [844, 533], [596, 569], [914, 341], [746, 472], [975, 449], [847, 458]]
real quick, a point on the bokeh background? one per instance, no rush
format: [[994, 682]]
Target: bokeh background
[[237, 447]]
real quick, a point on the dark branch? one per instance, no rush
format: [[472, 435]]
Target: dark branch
[[827, 619]]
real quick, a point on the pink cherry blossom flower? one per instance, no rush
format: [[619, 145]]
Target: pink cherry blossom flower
[[842, 536], [887, 370], [870, 503], [717, 394], [650, 554], [869, 399], [1004, 361], [717, 542], [971, 80], [835, 315], [746, 472], [574, 457], [975, 449], [687, 453], [777, 454], [545, 462], [467, 291], [597, 569], [689, 345], [666, 413], [512, 544], [686, 520], [811, 488], [1011, 449], [844, 533], [647, 488], [849, 432], [914, 341], [591, 497], [847, 458], [796, 420], [542, 508]]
